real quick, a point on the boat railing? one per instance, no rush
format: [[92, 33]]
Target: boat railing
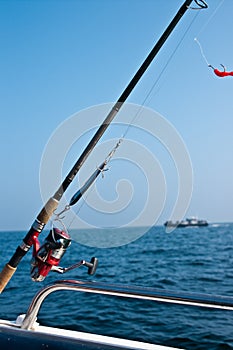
[[136, 292]]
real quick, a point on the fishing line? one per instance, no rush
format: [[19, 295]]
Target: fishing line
[[202, 52], [202, 29], [213, 14]]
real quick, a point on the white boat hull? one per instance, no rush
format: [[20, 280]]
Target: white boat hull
[[12, 337]]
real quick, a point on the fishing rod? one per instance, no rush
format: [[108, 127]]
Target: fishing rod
[[51, 205]]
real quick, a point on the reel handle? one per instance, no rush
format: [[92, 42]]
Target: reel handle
[[92, 266]]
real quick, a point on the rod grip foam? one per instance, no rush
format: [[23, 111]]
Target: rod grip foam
[[6, 275]]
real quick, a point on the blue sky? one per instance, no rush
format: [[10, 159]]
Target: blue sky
[[60, 57]]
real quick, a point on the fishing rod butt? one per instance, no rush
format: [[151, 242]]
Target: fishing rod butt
[[5, 276]]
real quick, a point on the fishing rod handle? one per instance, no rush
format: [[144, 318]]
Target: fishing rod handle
[[38, 225], [6, 275]]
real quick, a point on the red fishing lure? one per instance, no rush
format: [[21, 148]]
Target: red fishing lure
[[222, 73]]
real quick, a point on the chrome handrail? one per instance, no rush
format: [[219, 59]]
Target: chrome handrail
[[143, 293]]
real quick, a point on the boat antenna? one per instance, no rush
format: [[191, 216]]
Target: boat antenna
[[51, 205]]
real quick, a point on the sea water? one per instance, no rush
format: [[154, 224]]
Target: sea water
[[198, 260]]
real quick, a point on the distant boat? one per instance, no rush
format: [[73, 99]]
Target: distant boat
[[193, 222]]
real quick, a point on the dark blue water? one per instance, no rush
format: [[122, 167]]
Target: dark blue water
[[193, 259]]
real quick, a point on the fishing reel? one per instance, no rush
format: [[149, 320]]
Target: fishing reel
[[46, 257]]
